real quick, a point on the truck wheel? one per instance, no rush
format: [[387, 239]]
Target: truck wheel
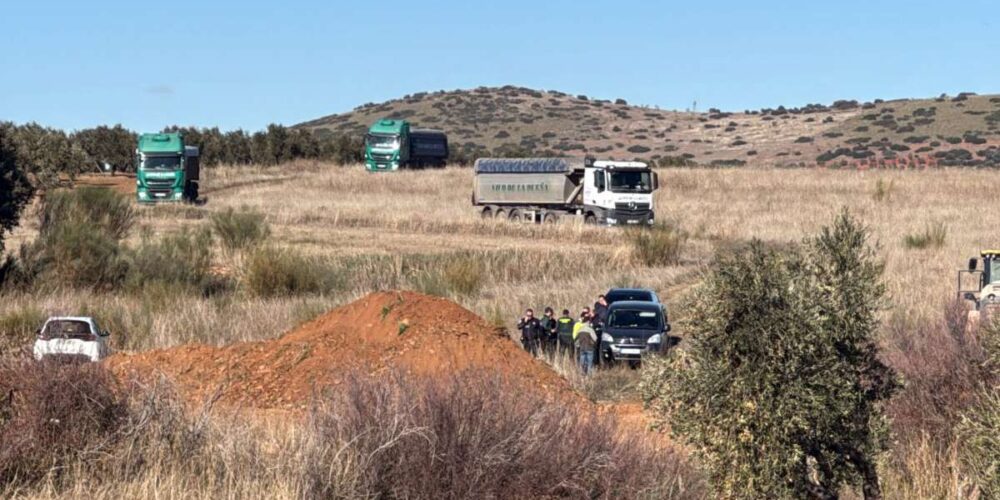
[[550, 218], [515, 216], [191, 192], [486, 213], [500, 214], [590, 219]]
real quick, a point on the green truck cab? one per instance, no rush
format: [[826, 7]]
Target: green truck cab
[[392, 144], [166, 169]]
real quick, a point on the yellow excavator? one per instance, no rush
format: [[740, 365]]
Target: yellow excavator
[[988, 291]]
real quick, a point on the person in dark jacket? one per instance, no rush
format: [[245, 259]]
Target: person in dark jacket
[[550, 331], [601, 310], [564, 332], [531, 330]]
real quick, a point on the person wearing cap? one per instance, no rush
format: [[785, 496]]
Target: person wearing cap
[[530, 329], [564, 332]]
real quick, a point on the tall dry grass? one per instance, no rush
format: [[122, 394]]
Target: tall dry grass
[[388, 436]]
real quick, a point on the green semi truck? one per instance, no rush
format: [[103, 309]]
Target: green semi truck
[[393, 144], [166, 169]]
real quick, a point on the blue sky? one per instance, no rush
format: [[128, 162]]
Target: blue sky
[[74, 64]]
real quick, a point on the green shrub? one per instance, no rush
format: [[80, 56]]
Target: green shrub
[[182, 258], [933, 235], [275, 272], [779, 387], [449, 275], [660, 245], [240, 230], [79, 241], [111, 213], [18, 327], [883, 190], [980, 449]]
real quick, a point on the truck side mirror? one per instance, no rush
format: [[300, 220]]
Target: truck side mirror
[[666, 328], [656, 181], [972, 264]]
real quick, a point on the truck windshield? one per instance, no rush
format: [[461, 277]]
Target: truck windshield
[[161, 162], [637, 319], [994, 271], [383, 141], [631, 181]]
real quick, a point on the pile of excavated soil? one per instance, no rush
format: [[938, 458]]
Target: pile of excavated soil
[[403, 331]]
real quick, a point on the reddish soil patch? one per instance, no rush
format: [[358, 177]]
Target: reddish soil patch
[[404, 331], [124, 184]]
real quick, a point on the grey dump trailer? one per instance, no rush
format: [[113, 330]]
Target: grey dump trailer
[[547, 189]]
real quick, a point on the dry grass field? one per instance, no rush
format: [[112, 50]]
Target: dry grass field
[[417, 229], [344, 213]]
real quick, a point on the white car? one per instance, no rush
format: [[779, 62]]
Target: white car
[[72, 338]]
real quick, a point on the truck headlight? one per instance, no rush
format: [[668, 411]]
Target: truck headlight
[[655, 339], [607, 338]]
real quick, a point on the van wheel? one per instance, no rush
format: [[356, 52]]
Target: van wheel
[[515, 216]]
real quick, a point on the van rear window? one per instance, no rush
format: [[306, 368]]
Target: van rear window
[[68, 329]]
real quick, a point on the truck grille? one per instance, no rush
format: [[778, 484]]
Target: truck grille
[[632, 210], [381, 157], [160, 183]]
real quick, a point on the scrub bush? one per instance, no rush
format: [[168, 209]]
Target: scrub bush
[[240, 230], [660, 245], [780, 389]]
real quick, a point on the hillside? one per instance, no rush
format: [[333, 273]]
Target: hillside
[[513, 121]]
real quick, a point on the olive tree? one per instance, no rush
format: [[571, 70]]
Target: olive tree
[[779, 387], [112, 145], [15, 188]]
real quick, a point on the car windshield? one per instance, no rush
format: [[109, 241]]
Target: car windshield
[[638, 296], [631, 181], [632, 318], [67, 328], [383, 141], [161, 162]]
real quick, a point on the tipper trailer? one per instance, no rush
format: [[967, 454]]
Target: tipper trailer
[[546, 189]]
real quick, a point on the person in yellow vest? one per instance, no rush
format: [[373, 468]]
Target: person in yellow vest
[[584, 319], [585, 341]]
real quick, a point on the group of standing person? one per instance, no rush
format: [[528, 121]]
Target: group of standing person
[[566, 335]]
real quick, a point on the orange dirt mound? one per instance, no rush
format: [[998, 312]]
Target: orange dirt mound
[[404, 331]]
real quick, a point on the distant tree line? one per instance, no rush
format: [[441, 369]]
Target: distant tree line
[[47, 154]]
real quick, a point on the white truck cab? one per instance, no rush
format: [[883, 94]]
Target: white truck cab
[[619, 192]]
